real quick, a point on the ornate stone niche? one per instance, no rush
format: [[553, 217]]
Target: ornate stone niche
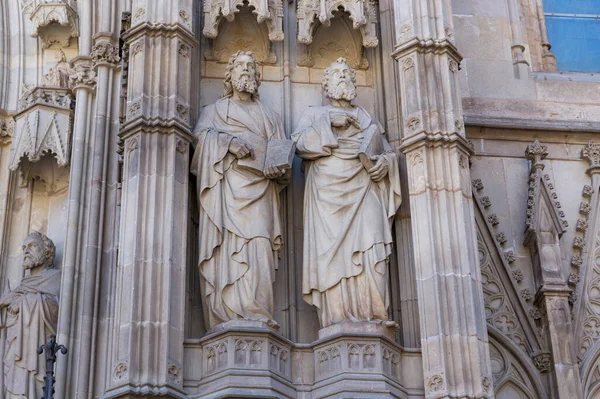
[[229, 34], [268, 11], [42, 137], [234, 37], [328, 43], [54, 21], [363, 14]]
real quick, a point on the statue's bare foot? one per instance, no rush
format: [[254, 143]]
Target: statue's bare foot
[[273, 324], [390, 323]]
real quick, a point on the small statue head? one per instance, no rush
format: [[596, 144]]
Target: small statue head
[[339, 81], [60, 56], [38, 251], [242, 74]]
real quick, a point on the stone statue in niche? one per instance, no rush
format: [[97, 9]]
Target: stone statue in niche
[[351, 196], [29, 316], [242, 161], [58, 75]]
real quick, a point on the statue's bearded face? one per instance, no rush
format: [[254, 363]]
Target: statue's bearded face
[[33, 253], [340, 86], [243, 74]]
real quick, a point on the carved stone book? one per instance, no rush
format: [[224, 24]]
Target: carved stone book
[[372, 145], [280, 153]]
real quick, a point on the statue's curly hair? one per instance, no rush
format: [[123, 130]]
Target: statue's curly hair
[[327, 73], [228, 91], [49, 248]]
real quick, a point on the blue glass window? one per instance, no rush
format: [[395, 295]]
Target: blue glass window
[[574, 33]]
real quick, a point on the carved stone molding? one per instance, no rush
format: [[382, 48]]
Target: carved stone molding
[[105, 53], [268, 11], [45, 13], [363, 14]]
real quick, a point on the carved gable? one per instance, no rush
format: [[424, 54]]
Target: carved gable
[[545, 222], [504, 309]]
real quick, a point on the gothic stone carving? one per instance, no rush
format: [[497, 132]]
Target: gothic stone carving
[[42, 127], [238, 251], [351, 175], [268, 11], [105, 53], [363, 14], [45, 13], [58, 75], [349, 354], [256, 350], [31, 317], [6, 129], [591, 152]]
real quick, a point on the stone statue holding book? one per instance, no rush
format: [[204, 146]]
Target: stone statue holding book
[[242, 162], [351, 196]]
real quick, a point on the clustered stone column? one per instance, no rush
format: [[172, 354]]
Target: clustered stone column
[[453, 331], [150, 293]]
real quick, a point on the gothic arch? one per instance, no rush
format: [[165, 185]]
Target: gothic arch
[[512, 370], [590, 373]]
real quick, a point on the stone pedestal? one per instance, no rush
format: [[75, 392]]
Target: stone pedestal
[[250, 360], [352, 364], [245, 361]]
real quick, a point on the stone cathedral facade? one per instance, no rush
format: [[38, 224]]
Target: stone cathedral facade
[[491, 273]]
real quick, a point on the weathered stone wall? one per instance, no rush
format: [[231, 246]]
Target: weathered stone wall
[[147, 69]]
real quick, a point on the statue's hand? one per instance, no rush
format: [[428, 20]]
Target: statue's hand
[[273, 172], [343, 120], [240, 148], [380, 170], [14, 308]]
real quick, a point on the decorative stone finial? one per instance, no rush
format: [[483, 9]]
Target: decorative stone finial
[[536, 152], [591, 152]]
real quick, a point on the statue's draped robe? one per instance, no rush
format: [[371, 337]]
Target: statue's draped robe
[[240, 229], [37, 299], [347, 219]]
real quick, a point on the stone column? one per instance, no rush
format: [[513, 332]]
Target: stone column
[[150, 285], [452, 321]]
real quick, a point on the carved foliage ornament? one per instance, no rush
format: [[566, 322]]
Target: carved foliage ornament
[[362, 13], [268, 11], [591, 152], [105, 53]]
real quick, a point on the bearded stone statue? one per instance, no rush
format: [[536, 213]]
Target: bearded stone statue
[[30, 315], [242, 162], [351, 196]]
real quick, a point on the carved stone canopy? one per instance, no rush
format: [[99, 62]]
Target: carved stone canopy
[[42, 132], [362, 13], [54, 21], [268, 11]]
